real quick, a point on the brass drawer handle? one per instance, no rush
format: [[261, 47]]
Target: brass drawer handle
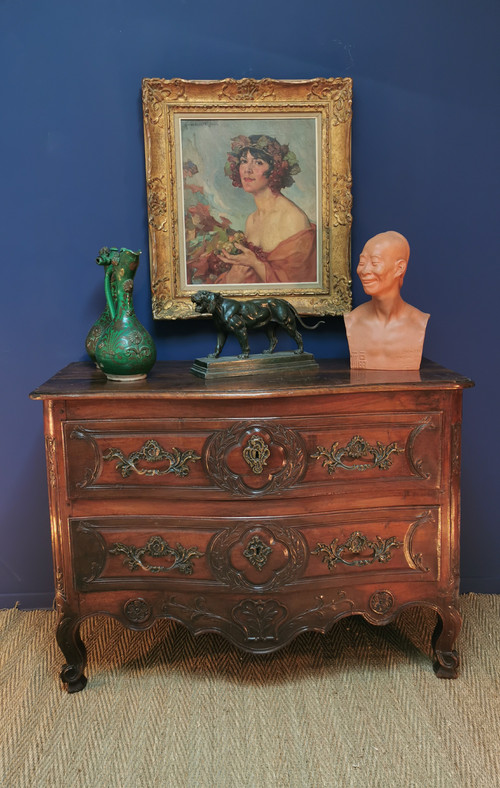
[[157, 547], [356, 544], [152, 452], [357, 448]]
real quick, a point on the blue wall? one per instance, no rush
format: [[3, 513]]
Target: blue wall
[[425, 120]]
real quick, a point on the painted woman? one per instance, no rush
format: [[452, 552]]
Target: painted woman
[[280, 240]]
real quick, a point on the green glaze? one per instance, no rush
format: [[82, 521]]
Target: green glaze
[[124, 349], [104, 258]]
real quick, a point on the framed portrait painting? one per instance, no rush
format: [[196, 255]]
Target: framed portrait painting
[[249, 191]]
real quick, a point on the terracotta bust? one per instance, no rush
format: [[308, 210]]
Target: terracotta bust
[[385, 332]]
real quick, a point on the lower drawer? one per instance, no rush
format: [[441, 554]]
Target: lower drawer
[[260, 555]]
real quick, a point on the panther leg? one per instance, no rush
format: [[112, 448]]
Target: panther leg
[[242, 337], [271, 335], [292, 331], [221, 341]]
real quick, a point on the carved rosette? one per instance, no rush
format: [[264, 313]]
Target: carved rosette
[[285, 465], [284, 559], [137, 610], [381, 602]]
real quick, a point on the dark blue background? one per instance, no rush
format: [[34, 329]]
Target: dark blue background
[[425, 122]]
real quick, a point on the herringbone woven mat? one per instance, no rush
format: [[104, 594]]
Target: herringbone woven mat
[[359, 708]]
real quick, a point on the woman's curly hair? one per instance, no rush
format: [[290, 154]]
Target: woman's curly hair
[[283, 164]]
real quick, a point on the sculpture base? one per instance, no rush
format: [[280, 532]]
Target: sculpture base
[[256, 364]]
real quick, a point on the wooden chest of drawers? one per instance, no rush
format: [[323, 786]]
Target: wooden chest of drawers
[[254, 508]]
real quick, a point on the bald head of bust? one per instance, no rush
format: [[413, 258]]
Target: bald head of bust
[[383, 262], [396, 241]]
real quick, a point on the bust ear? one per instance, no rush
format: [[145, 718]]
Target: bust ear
[[400, 268]]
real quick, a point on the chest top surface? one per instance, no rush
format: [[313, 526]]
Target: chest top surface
[[173, 380]]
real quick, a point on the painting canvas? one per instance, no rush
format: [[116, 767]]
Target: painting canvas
[[249, 191], [249, 183]]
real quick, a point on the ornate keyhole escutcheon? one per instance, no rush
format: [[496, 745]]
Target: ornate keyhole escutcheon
[[275, 455], [264, 557], [256, 453], [257, 553]]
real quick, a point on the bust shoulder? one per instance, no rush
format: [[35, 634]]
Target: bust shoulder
[[414, 316]]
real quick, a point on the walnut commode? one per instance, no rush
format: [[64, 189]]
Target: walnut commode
[[253, 508]]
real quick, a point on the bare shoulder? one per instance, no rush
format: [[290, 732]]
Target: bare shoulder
[[292, 218]]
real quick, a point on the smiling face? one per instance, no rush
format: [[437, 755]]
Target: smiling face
[[382, 265], [254, 172]]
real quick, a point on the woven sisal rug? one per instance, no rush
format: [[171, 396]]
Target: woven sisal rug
[[359, 708]]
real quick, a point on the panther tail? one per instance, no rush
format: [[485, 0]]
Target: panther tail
[[310, 328]]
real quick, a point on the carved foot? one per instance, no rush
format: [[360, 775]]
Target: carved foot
[[74, 684], [445, 634], [71, 645]]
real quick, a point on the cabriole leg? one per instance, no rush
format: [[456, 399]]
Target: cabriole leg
[[445, 634], [71, 645]]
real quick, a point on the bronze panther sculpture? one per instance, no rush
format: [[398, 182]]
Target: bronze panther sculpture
[[237, 317]]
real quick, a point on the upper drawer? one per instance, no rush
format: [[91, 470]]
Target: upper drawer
[[301, 455]]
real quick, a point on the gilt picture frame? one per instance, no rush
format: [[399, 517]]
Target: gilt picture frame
[[249, 191]]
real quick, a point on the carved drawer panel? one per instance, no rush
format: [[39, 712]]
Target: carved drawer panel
[[108, 456], [242, 458], [361, 449], [401, 542], [113, 552], [254, 458], [256, 555]]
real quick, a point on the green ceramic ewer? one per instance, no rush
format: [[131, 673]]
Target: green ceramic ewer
[[104, 258], [124, 351]]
